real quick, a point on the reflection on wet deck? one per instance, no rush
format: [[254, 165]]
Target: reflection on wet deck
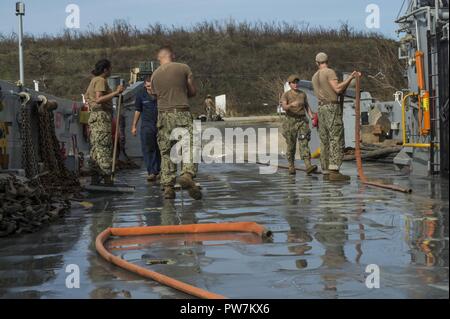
[[324, 237]]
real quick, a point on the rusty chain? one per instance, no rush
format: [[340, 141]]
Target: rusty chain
[[56, 177], [29, 159], [60, 178]]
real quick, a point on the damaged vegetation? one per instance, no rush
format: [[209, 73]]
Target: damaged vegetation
[[247, 61]]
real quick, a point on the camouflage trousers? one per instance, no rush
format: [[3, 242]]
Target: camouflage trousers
[[101, 142], [331, 133], [167, 121], [209, 114], [297, 129]]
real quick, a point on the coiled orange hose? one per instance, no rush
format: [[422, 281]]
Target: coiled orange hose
[[249, 227]]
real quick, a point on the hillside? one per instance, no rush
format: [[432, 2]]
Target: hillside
[[248, 62]]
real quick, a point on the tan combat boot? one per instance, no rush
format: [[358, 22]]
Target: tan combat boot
[[292, 170], [169, 192], [310, 168], [188, 184], [335, 176], [151, 178]]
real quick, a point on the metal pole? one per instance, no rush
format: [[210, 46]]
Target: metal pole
[[22, 77], [20, 11]]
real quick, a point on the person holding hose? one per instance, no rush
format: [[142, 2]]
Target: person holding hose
[[328, 91], [99, 97], [296, 125], [173, 84], [146, 107]]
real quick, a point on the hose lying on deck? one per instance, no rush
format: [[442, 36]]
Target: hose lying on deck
[[248, 227], [361, 174]]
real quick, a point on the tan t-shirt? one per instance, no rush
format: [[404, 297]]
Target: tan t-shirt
[[209, 103], [322, 87], [98, 84], [169, 83], [295, 96]]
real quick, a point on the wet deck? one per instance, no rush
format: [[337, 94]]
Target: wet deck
[[324, 236]]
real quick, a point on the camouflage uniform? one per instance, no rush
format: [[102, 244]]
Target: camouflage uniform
[[209, 115], [167, 121], [331, 132], [297, 128], [101, 142], [210, 109]]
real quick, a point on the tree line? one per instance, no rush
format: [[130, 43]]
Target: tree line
[[247, 61]]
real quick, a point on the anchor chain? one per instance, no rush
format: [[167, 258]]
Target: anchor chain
[[29, 159], [60, 178]]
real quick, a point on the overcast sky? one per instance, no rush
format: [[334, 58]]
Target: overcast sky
[[49, 16]]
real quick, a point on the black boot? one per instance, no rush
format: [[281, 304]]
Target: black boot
[[95, 179]]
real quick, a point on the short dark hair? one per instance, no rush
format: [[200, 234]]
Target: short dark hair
[[148, 77], [166, 47], [101, 66]]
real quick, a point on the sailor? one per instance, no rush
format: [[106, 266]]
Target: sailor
[[331, 126], [99, 96], [296, 125], [146, 108], [173, 84], [210, 107]]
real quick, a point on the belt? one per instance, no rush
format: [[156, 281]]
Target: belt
[[298, 117], [173, 110], [108, 112], [101, 109], [328, 103]]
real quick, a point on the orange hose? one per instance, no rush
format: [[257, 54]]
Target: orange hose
[[125, 243], [177, 229], [359, 166]]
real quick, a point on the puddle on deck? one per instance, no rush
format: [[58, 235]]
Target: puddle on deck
[[324, 237]]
